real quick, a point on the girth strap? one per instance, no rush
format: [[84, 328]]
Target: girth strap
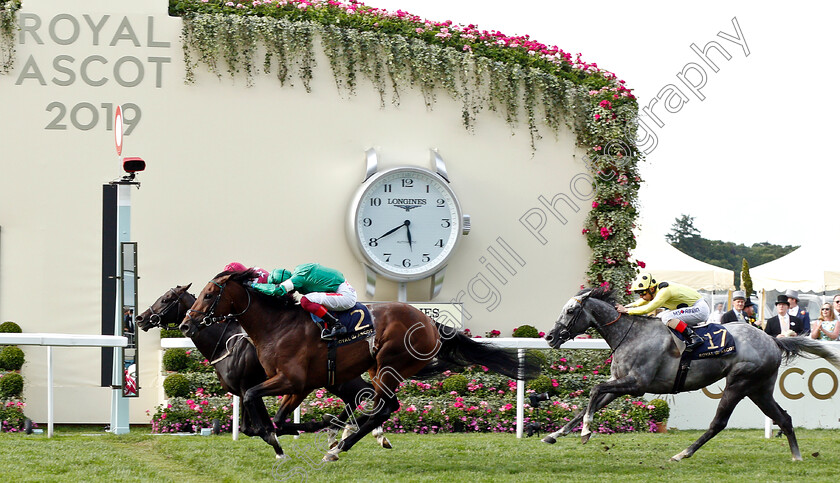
[[682, 372], [331, 355]]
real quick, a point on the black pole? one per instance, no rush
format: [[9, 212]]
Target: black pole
[[109, 276]]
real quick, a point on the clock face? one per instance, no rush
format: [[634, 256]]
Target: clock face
[[406, 223]]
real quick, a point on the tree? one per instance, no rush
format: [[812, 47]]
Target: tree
[[685, 237], [746, 280], [682, 230]]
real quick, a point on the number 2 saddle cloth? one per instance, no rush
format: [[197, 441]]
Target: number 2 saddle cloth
[[717, 341], [357, 320]]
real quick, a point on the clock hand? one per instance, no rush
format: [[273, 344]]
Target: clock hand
[[408, 232], [392, 230]]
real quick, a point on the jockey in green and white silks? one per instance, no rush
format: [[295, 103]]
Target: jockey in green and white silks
[[685, 307], [322, 288]]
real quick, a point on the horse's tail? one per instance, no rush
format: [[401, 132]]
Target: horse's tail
[[458, 351], [793, 347]]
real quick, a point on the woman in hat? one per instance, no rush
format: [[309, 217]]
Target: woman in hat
[[826, 327]]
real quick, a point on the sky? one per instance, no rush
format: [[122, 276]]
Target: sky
[[750, 155]]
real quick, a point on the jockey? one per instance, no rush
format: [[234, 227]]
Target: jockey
[[684, 306], [322, 288], [238, 267]]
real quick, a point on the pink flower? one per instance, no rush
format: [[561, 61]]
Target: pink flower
[[597, 117], [605, 104], [605, 232], [594, 204], [640, 263]]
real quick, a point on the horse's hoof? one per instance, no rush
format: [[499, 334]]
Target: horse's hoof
[[282, 458], [385, 444], [329, 457], [679, 456], [333, 444], [585, 437], [549, 440]]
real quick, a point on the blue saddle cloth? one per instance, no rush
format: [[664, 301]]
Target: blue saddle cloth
[[717, 342], [357, 320]]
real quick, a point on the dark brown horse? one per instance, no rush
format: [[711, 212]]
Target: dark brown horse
[[294, 356], [235, 360]]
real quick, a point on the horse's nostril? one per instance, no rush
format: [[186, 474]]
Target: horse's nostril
[[549, 338]]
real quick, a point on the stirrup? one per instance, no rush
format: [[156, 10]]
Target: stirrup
[[328, 334], [693, 343]]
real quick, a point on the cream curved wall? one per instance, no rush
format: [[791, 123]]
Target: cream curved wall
[[260, 174]]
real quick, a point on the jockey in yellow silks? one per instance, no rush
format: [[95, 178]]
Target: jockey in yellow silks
[[684, 306]]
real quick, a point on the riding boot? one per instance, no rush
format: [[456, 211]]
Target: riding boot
[[333, 327], [692, 340]]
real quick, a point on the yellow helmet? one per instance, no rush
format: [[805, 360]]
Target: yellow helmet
[[642, 282]]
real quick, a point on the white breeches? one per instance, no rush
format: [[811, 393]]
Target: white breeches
[[342, 299], [696, 314]]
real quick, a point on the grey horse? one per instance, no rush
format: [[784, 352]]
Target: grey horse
[[646, 360]]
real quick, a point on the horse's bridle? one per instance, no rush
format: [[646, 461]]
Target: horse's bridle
[[565, 334], [208, 316], [157, 317]]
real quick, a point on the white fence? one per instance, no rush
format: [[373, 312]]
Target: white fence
[[60, 340]]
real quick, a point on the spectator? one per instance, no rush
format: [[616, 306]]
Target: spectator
[[837, 307], [784, 324], [796, 310], [717, 313], [737, 312], [749, 313], [826, 327]]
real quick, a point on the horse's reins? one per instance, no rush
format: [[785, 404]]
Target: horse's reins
[[208, 316], [156, 318], [601, 326]]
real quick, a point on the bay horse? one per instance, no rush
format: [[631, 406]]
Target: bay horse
[[646, 360], [293, 355], [236, 363]]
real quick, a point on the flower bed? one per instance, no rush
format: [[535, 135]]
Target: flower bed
[[472, 401]]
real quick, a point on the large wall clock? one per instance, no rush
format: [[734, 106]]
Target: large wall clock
[[405, 222]]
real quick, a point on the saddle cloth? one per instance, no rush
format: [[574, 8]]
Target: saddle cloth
[[357, 320], [716, 341]]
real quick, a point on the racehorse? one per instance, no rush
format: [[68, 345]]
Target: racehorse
[[646, 360], [294, 356], [235, 360]]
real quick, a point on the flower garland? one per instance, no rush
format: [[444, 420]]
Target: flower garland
[[8, 27], [481, 69]]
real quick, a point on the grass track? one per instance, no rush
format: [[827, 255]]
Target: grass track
[[83, 454]]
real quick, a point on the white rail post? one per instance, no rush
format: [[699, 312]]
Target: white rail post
[[50, 395], [235, 423], [520, 396]]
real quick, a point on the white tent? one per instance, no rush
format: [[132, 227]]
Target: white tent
[[803, 269], [667, 263]]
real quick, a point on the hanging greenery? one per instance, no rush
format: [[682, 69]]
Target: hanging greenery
[[509, 75], [480, 69], [8, 28]]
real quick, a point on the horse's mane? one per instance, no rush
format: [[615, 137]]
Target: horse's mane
[[600, 293], [245, 277]]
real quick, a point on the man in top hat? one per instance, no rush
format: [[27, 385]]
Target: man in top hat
[[795, 309], [784, 324], [749, 313], [737, 312]]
